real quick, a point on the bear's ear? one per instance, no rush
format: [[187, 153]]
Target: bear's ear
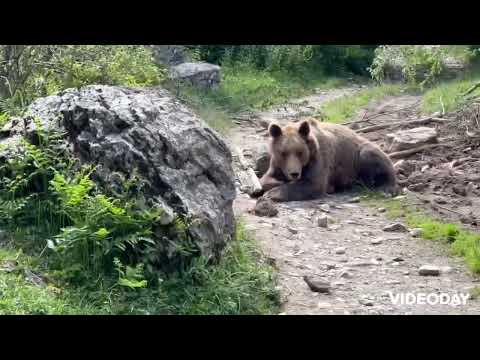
[[304, 129], [275, 130]]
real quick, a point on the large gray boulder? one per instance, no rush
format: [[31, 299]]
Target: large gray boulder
[[198, 74], [182, 164]]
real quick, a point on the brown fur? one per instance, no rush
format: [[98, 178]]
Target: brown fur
[[310, 159]]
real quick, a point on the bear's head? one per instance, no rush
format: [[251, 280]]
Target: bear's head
[[292, 148]]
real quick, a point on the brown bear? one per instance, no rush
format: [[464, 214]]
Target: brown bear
[[310, 158]]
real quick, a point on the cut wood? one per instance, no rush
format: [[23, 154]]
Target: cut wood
[[255, 182], [406, 153], [402, 123]]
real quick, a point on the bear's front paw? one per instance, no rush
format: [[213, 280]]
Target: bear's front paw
[[277, 194]]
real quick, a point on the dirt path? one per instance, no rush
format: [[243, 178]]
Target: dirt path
[[361, 261]]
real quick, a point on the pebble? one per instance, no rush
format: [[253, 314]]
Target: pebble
[[317, 285], [340, 251], [325, 208], [376, 241], [322, 221], [429, 270], [381, 210], [354, 200], [346, 274], [396, 227], [416, 232], [366, 302], [292, 230]]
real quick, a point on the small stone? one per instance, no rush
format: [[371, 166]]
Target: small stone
[[343, 260], [354, 200], [338, 283], [331, 266], [322, 221], [317, 285], [406, 272], [398, 259], [381, 210], [292, 230], [340, 251], [416, 232], [440, 200], [366, 302], [417, 187], [396, 227], [325, 208], [376, 241], [334, 227], [346, 274], [429, 270]]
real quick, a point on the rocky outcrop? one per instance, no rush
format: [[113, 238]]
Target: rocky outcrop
[[181, 164], [202, 75]]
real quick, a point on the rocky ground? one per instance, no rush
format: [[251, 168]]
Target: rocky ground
[[339, 256]]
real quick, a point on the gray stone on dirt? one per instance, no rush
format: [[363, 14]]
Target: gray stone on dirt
[[396, 227], [340, 251], [292, 229], [265, 207], [376, 241], [381, 210], [322, 221], [180, 164], [440, 200], [411, 138], [354, 200], [365, 302], [317, 285], [417, 232], [346, 274], [325, 208], [199, 74], [429, 270]]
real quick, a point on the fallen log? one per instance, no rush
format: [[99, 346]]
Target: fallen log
[[406, 153], [423, 121]]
